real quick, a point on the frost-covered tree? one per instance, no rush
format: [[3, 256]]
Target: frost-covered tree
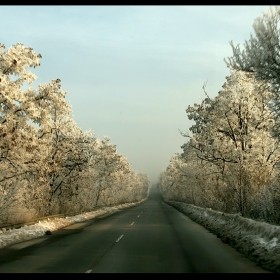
[[48, 164], [18, 137], [104, 164], [32, 122], [175, 177], [261, 54], [192, 180], [135, 187], [234, 132], [68, 159], [178, 181], [203, 184]]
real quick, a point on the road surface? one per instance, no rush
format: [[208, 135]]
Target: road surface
[[151, 237]]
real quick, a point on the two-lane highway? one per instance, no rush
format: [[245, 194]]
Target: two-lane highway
[[150, 237]]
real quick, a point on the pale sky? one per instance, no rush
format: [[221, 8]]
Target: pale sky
[[131, 71]]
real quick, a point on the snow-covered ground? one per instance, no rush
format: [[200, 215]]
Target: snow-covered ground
[[259, 241]]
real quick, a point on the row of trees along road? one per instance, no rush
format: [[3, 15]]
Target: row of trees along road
[[230, 162], [48, 164]]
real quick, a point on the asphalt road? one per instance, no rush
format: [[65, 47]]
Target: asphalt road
[[152, 237]]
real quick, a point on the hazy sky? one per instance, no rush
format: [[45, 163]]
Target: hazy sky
[[131, 71]]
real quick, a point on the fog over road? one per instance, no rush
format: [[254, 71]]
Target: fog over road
[[150, 237]]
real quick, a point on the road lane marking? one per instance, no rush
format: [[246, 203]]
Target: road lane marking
[[132, 223], [119, 238], [138, 216], [88, 271]]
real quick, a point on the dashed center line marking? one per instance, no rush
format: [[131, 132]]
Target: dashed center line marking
[[88, 271], [132, 223], [119, 238], [138, 216]]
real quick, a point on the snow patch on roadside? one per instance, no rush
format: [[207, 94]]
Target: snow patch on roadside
[[13, 236]]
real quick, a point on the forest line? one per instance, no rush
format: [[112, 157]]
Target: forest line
[[230, 162], [48, 164]]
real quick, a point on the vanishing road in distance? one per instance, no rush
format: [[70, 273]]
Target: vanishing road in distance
[[152, 237]]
